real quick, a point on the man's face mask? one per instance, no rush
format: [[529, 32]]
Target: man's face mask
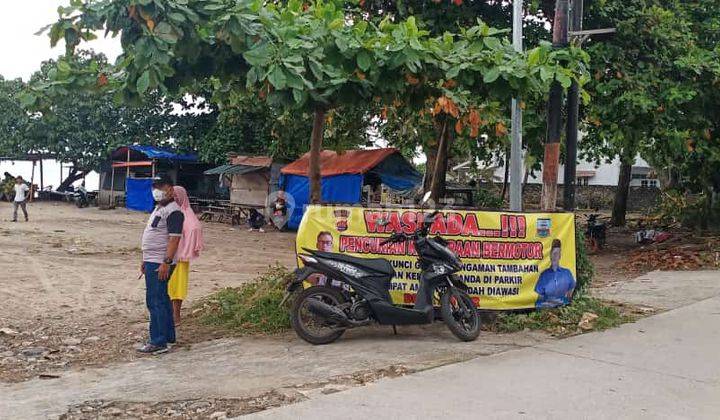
[[158, 195]]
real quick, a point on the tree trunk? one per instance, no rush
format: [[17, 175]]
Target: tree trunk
[[622, 192], [73, 176], [525, 178], [431, 153], [505, 178], [315, 148], [548, 199], [437, 187]]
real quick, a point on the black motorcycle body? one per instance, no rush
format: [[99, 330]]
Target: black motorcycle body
[[366, 283], [595, 233]]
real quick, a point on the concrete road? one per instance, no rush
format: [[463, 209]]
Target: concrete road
[[665, 366]]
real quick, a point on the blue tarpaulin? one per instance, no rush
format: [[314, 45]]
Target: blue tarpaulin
[[397, 174], [139, 194], [154, 152], [343, 175], [346, 189]]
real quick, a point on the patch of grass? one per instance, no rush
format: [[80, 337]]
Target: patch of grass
[[575, 318], [253, 308]]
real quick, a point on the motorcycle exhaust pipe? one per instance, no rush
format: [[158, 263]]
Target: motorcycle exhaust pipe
[[329, 312]]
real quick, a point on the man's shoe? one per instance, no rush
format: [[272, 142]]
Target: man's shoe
[[150, 348], [14, 220]]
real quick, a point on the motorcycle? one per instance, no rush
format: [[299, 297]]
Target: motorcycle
[[595, 233], [321, 314], [83, 198]]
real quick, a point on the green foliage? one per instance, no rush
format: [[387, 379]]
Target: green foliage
[[255, 128], [563, 321], [654, 88], [487, 199], [310, 55], [584, 269], [694, 211], [81, 126], [320, 54], [253, 308], [13, 118]]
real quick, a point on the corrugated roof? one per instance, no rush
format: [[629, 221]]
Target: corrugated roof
[[348, 162], [264, 161], [231, 169]]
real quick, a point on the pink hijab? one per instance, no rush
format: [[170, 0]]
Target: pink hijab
[[191, 242]]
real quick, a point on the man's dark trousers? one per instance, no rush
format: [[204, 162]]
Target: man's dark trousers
[[162, 326]]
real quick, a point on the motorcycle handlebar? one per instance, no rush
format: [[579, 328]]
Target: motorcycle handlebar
[[400, 237]]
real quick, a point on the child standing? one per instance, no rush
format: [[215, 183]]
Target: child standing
[[191, 243]]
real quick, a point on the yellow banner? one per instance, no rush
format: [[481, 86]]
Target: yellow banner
[[510, 260]]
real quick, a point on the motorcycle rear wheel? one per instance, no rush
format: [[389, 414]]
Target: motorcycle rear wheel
[[302, 319], [460, 314]]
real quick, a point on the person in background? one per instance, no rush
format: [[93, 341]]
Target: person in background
[[556, 284], [7, 186], [189, 249], [278, 211], [21, 196], [160, 242], [256, 221]]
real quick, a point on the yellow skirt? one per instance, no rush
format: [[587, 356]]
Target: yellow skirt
[[178, 285]]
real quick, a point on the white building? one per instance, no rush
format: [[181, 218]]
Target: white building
[[588, 173]]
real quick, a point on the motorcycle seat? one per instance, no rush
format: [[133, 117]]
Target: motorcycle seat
[[379, 266]]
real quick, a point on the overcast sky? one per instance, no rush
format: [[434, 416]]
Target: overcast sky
[[21, 52]]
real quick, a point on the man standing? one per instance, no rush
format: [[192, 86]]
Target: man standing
[[21, 196], [159, 244]]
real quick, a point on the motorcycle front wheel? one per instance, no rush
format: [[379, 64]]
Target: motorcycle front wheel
[[312, 327], [460, 314]]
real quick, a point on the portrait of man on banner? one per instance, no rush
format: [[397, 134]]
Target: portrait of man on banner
[[556, 284], [324, 242]]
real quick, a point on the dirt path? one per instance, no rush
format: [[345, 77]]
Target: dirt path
[[70, 289]]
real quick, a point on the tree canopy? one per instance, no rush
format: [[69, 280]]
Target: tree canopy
[[654, 89]]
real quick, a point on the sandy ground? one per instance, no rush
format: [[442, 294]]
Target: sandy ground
[[72, 297], [70, 288], [73, 310]]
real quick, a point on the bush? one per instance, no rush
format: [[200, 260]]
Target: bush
[[487, 199], [583, 266], [251, 308], [693, 211], [564, 320]]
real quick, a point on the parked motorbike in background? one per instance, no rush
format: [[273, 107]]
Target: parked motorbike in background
[[82, 198], [321, 314], [595, 233]]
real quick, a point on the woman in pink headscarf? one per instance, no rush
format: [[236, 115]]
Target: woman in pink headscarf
[[189, 249]]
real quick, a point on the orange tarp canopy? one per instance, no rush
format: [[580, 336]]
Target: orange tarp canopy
[[333, 163]]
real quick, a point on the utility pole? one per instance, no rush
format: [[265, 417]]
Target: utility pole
[[573, 110], [516, 159], [548, 200]]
